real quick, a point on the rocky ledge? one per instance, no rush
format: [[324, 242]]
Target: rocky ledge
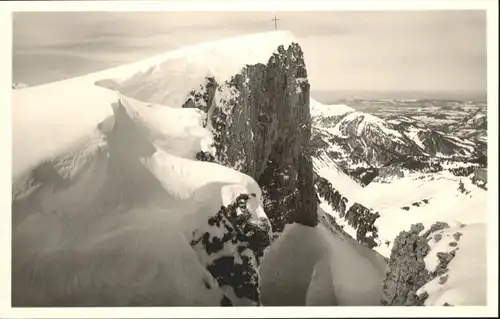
[[262, 126]]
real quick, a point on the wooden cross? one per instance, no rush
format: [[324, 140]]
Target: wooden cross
[[275, 23]]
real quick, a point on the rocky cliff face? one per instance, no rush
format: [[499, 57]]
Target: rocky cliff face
[[407, 271], [358, 216], [262, 126]]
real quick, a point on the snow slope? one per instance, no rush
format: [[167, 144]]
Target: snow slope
[[106, 190], [418, 198], [169, 80], [107, 193], [310, 266], [465, 281], [115, 203], [127, 258], [445, 203], [429, 197], [328, 168], [414, 198], [48, 118]]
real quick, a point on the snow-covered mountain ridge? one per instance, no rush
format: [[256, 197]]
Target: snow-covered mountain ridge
[[192, 179], [128, 180], [365, 146], [399, 193]]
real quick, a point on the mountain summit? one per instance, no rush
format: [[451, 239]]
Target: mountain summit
[[205, 177]]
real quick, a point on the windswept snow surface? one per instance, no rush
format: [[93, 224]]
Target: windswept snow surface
[[311, 266], [128, 204], [50, 117], [106, 193], [169, 79], [465, 281], [105, 186], [178, 131], [121, 258], [445, 203], [428, 198]]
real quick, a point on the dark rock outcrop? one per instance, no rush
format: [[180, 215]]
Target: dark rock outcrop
[[480, 177], [363, 175], [238, 244], [423, 164], [462, 189], [204, 157], [262, 127], [203, 97], [406, 272], [358, 216], [463, 171]]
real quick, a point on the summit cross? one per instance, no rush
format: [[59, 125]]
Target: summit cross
[[275, 23]]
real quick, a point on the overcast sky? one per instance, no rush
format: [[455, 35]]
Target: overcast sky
[[374, 51]]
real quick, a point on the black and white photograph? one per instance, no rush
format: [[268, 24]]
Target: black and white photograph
[[273, 157]]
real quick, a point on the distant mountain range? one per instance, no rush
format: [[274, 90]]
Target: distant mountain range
[[362, 144], [336, 96], [210, 176]]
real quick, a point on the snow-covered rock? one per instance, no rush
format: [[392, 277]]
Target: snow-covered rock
[[107, 175], [188, 179], [261, 125], [440, 266], [168, 79], [465, 281], [111, 197], [101, 177]]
